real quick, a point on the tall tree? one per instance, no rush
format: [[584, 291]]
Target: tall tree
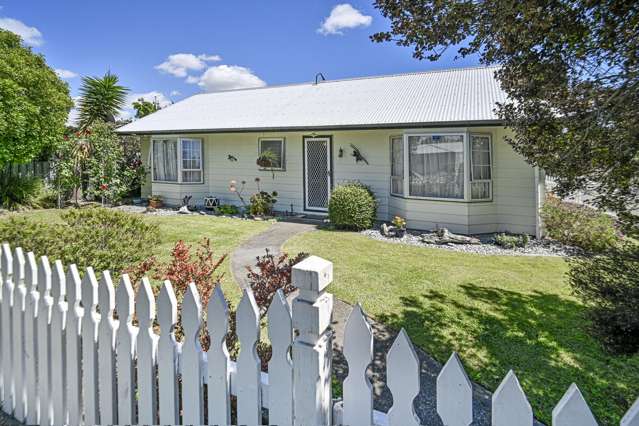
[[571, 72], [34, 102], [100, 99], [143, 107]]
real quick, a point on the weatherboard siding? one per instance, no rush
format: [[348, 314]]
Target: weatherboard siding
[[512, 209]]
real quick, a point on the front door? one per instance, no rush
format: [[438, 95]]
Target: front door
[[317, 173]]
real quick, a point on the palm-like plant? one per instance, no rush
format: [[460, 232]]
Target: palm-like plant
[[100, 99]]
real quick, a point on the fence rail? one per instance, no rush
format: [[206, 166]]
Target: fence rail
[[41, 169], [83, 351]]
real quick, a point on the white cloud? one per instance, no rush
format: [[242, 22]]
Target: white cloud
[[74, 113], [175, 93], [129, 111], [179, 64], [30, 35], [62, 73], [343, 16], [226, 77]]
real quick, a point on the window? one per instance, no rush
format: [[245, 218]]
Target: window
[[397, 165], [436, 166], [164, 160], [191, 160], [480, 167], [176, 160], [276, 146]]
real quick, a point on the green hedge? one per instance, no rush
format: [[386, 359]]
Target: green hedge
[[97, 237], [352, 206]]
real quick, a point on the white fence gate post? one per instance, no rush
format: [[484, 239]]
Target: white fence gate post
[[311, 350], [58, 348], [73, 343], [19, 305], [30, 337], [44, 341], [7, 329]]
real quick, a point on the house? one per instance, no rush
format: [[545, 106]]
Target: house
[[428, 144]]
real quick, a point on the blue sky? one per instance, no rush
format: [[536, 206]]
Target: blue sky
[[173, 49]]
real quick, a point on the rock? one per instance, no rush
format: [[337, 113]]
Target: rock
[[444, 236], [184, 210], [149, 210], [202, 213], [388, 230]]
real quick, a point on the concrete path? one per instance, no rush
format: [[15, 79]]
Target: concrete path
[[272, 239]]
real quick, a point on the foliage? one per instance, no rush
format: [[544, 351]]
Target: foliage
[[34, 103], [20, 192], [143, 107], [571, 73], [97, 237], [609, 285], [228, 209], [352, 206], [268, 160], [578, 225], [101, 99], [498, 312], [262, 203], [399, 222], [509, 241], [97, 159], [271, 274]]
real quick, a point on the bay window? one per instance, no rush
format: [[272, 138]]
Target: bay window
[[176, 160], [446, 166]]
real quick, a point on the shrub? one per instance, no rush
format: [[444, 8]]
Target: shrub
[[97, 237], [272, 273], [262, 203], [512, 241], [20, 192], [228, 209], [578, 225], [609, 285], [352, 206]]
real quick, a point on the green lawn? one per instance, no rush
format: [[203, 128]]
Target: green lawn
[[498, 312], [225, 234]]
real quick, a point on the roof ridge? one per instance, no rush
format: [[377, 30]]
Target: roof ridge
[[339, 80]]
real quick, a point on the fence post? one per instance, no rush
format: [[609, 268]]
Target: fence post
[[311, 350]]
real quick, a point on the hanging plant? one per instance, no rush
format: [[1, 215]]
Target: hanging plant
[[268, 160]]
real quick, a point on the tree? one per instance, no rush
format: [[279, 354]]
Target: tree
[[100, 99], [143, 107], [571, 73], [34, 102]]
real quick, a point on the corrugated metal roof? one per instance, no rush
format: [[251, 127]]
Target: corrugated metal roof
[[463, 95]]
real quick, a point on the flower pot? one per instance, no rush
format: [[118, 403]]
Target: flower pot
[[156, 204], [400, 232]]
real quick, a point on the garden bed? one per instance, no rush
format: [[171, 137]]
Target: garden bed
[[487, 246]]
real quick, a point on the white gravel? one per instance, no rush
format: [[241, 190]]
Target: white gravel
[[543, 247]]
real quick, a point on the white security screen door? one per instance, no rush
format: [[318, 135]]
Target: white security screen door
[[317, 173]]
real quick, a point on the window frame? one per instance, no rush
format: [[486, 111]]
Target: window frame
[[180, 169], [390, 145], [467, 155], [282, 142], [471, 178]]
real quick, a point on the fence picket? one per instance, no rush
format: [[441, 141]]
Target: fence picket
[[358, 351], [218, 366], [168, 356], [280, 367], [572, 410], [90, 321], [31, 339], [454, 394], [44, 341], [106, 351], [249, 403], [510, 406], [73, 343], [6, 258], [192, 392], [1, 331], [125, 352], [147, 354], [402, 378], [632, 416], [19, 301], [58, 347]]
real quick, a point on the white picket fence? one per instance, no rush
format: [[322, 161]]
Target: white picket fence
[[65, 358]]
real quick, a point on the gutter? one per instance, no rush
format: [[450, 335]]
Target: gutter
[[431, 125]]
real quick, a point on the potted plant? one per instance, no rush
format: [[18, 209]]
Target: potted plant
[[155, 201], [400, 226]]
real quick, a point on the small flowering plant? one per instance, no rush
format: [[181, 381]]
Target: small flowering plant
[[399, 222]]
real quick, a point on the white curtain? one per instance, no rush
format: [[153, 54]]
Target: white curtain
[[165, 160], [436, 166]]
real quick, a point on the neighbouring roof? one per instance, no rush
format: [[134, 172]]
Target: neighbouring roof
[[434, 98]]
